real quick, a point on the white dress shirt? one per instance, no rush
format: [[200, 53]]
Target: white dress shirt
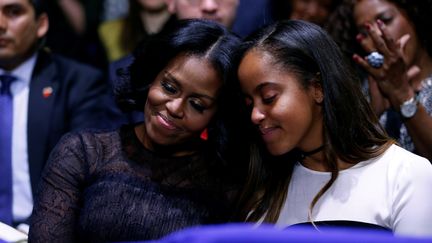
[[22, 203]]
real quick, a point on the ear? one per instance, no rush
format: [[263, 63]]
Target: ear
[[42, 25], [171, 6], [318, 93]]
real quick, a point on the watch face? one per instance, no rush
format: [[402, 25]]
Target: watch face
[[408, 110]]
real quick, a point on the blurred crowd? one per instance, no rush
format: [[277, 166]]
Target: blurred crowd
[[69, 65]]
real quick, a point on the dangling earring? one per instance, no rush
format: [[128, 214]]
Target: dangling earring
[[204, 135]]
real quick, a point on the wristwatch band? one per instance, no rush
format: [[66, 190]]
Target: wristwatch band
[[409, 108]]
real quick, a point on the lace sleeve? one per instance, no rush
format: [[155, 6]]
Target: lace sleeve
[[56, 208]]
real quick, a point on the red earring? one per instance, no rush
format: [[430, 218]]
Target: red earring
[[204, 135]]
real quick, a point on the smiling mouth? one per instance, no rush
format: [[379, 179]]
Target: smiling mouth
[[267, 133], [166, 123], [266, 130], [4, 41]]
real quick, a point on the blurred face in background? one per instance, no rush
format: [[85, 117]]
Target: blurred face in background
[[395, 20], [315, 11], [221, 11], [20, 31], [152, 5]]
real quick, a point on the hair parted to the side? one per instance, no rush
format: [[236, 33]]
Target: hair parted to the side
[[193, 37], [351, 130]]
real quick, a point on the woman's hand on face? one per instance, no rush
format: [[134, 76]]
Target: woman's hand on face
[[378, 101], [393, 77]]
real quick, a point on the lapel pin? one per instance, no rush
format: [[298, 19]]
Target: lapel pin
[[47, 92]]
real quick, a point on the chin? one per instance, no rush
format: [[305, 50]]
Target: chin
[[276, 150]]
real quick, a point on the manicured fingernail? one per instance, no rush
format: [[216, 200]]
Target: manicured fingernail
[[355, 57], [368, 26], [380, 23]]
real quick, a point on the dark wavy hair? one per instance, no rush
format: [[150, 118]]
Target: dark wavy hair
[[39, 6], [194, 37], [351, 130], [341, 25]]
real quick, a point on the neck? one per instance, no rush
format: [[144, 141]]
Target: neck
[[314, 160], [175, 150], [154, 21]]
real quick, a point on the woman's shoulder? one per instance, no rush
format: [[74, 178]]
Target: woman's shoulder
[[91, 135], [403, 165], [397, 155], [82, 149], [86, 140]]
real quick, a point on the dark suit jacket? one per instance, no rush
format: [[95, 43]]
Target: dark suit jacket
[[64, 96]]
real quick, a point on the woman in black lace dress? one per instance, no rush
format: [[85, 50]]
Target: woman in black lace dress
[[146, 180]]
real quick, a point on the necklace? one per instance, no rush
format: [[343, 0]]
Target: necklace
[[303, 155]]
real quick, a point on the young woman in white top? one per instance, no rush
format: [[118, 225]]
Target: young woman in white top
[[327, 160]]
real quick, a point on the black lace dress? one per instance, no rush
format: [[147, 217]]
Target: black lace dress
[[106, 187]]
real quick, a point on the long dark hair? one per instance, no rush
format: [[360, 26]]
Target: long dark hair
[[201, 38], [351, 130], [133, 30]]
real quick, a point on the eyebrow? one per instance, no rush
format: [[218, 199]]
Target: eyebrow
[[263, 85], [18, 6], [197, 95]]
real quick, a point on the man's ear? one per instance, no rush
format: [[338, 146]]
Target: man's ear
[[42, 25]]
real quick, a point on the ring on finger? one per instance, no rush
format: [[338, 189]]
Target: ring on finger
[[375, 59]]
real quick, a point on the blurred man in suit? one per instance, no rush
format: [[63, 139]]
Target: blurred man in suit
[[42, 97]]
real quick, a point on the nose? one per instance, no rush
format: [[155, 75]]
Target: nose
[[257, 116], [3, 23], [209, 6], [175, 107]]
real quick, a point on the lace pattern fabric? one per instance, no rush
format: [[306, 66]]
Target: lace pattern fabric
[[105, 186]]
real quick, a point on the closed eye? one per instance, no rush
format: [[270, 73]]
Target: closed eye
[[269, 100], [14, 10], [386, 19], [168, 87], [197, 106]]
